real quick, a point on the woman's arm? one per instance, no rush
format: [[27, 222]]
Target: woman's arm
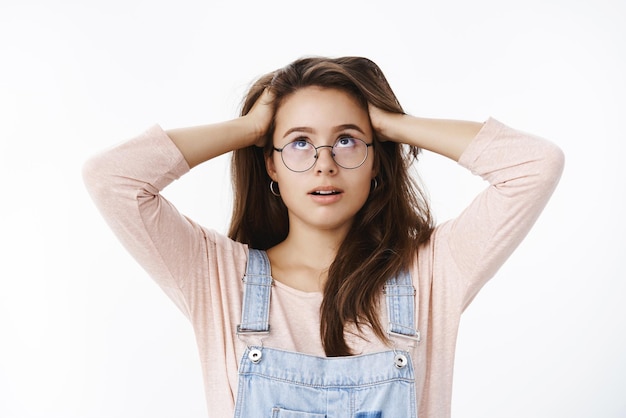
[[125, 184], [201, 143], [522, 171], [442, 136]]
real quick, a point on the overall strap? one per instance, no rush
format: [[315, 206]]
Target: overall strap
[[400, 294], [255, 310]]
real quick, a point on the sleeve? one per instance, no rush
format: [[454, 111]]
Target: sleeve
[[523, 171], [124, 182]]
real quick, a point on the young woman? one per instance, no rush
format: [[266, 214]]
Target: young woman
[[334, 294]]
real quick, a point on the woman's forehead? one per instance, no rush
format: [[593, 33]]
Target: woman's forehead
[[313, 109]]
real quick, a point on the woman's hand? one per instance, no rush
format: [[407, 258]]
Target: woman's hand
[[380, 120], [260, 116]]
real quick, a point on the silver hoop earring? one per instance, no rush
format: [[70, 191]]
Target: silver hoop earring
[[274, 192], [374, 184]]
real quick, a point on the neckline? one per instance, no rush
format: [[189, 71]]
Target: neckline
[[297, 292]]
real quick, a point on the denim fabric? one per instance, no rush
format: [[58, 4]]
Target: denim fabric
[[283, 384], [255, 312]]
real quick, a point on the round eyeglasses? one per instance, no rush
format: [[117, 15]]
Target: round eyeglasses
[[347, 152]]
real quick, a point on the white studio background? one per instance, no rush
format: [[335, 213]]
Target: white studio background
[[85, 333]]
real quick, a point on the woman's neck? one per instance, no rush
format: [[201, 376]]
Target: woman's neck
[[302, 260]]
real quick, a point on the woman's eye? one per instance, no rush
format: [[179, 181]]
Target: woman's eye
[[300, 144], [346, 141]]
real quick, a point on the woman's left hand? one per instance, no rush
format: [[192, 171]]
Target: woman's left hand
[[380, 120]]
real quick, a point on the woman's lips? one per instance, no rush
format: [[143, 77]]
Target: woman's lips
[[326, 194], [325, 190]]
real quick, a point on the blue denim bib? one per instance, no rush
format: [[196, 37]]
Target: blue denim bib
[[277, 383]]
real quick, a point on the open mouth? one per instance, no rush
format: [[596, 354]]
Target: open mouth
[[325, 192]]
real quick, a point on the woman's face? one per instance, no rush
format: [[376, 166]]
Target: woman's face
[[326, 196]]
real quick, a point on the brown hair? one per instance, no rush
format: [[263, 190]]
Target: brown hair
[[385, 232]]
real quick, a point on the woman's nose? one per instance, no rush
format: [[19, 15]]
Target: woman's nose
[[324, 161]]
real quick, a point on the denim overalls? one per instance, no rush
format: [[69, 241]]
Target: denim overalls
[[283, 384]]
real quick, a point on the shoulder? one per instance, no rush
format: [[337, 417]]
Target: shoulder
[[434, 270], [224, 250]]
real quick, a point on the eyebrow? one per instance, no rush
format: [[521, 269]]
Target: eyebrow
[[307, 129]]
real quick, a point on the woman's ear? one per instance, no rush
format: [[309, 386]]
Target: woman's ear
[[270, 167], [375, 166]]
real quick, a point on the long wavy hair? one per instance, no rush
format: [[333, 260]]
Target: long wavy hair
[[386, 231]]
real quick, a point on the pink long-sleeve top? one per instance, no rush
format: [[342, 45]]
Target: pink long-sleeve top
[[201, 270]]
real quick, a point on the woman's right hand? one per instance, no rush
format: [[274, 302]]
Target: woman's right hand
[[261, 115]]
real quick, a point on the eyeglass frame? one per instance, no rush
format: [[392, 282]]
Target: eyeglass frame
[[315, 157]]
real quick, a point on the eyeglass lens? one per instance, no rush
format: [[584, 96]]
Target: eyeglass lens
[[347, 152]]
